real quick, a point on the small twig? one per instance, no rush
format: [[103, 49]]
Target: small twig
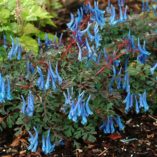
[[152, 117]]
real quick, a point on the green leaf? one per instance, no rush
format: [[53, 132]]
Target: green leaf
[[29, 44], [91, 138], [30, 29]]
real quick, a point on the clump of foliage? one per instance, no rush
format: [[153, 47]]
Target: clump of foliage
[[25, 19], [77, 90]]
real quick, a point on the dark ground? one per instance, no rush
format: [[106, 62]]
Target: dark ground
[[141, 132]]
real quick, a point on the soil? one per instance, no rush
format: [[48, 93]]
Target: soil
[[138, 140]]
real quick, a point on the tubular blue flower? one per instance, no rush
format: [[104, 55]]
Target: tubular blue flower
[[29, 69], [145, 104], [28, 109], [11, 52], [119, 80], [119, 123], [48, 42], [47, 146], [89, 50], [126, 83], [123, 15], [71, 23], [47, 84], [2, 89], [145, 6], [68, 96], [142, 50], [108, 126], [33, 140], [53, 75], [108, 8], [80, 53], [153, 69], [97, 36], [128, 101], [60, 80], [30, 105], [88, 110], [79, 109], [121, 3], [19, 52], [113, 20], [137, 105], [8, 91], [40, 81], [98, 15]]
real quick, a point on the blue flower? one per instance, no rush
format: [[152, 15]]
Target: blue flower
[[79, 109], [98, 15], [119, 123], [153, 69], [113, 20], [29, 69], [47, 146], [121, 3], [109, 124], [80, 53], [60, 80], [128, 101], [145, 104], [137, 105], [126, 83], [2, 89], [48, 42], [8, 91], [40, 81], [97, 36], [15, 50], [33, 140], [28, 109], [145, 6]]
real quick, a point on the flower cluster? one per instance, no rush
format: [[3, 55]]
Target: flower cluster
[[122, 83], [123, 15], [79, 107], [52, 76], [145, 6], [143, 55], [142, 103], [47, 146], [28, 108], [29, 69], [109, 124], [33, 140], [15, 50], [5, 91]]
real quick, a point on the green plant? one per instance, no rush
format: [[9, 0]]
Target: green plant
[[25, 19]]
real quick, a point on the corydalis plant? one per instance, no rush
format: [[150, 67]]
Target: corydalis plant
[[53, 77], [28, 108], [141, 102], [78, 108], [15, 50], [5, 91], [110, 123], [47, 146]]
